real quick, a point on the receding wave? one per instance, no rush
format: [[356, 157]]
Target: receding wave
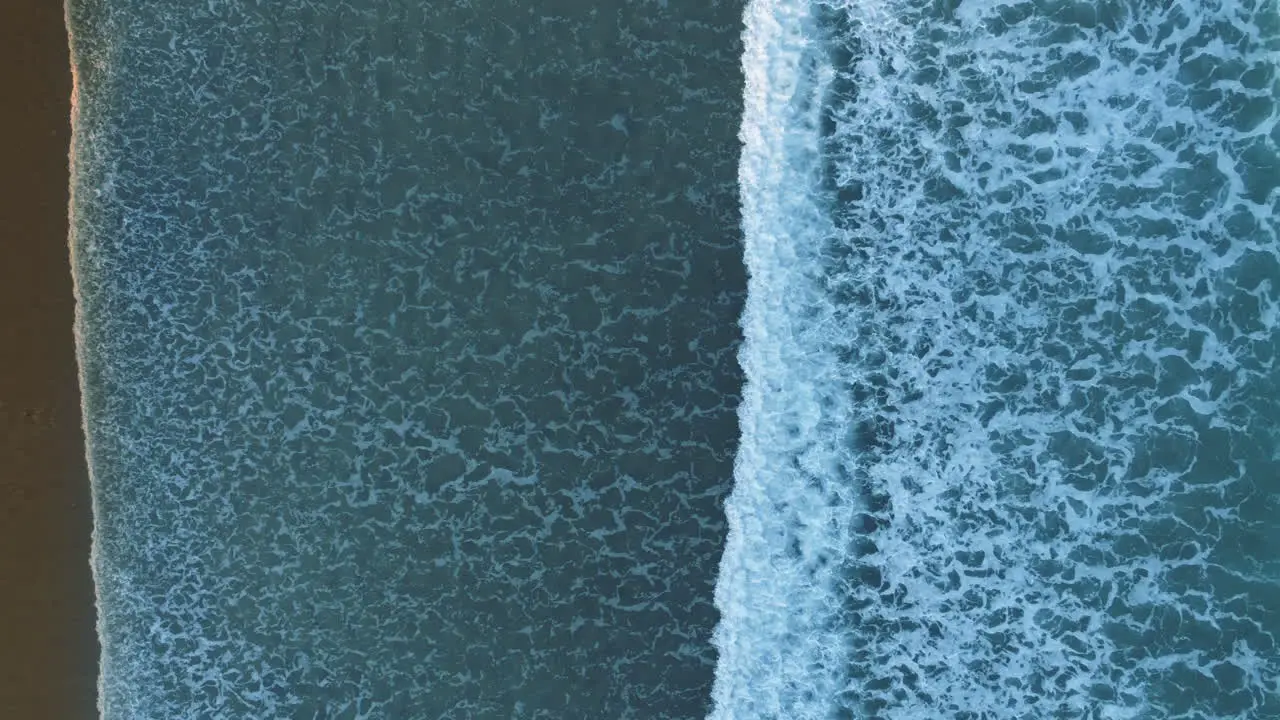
[[405, 334]]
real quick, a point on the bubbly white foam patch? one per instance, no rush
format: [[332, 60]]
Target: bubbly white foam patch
[[1022, 419], [778, 578]]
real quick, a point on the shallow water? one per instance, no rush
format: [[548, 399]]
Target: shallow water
[[406, 334]]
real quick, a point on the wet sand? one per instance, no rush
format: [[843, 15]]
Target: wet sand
[[49, 655]]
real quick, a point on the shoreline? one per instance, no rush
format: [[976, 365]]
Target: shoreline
[[47, 614]]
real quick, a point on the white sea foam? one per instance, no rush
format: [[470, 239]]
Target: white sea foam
[[778, 586], [1009, 347]]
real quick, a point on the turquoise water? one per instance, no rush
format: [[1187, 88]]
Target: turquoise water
[[407, 337], [1009, 434]]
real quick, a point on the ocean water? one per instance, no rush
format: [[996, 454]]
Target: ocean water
[[407, 337], [844, 359], [1010, 439]]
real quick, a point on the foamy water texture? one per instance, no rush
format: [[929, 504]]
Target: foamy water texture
[[1009, 432], [406, 336]]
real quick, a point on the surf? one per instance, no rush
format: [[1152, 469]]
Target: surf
[[999, 415]]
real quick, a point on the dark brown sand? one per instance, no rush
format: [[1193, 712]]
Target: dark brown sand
[[48, 645]]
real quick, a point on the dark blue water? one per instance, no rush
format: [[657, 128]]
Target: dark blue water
[[407, 334]]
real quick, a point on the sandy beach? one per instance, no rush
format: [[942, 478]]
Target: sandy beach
[[48, 666]]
